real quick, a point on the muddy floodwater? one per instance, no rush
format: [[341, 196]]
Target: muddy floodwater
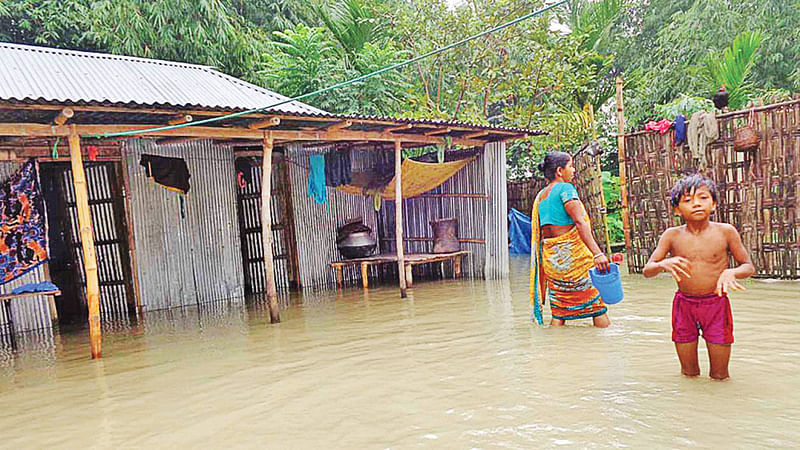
[[457, 365]]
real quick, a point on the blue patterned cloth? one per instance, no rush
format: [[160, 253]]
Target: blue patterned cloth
[[23, 228]]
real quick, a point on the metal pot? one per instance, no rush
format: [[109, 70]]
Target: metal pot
[[357, 245]]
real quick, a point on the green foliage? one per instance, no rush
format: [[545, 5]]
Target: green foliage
[[352, 22], [666, 44], [613, 206], [684, 104], [732, 68]]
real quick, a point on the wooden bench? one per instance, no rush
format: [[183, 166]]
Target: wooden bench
[[413, 259]]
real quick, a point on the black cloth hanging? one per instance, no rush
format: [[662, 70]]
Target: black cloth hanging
[[337, 168], [171, 173]]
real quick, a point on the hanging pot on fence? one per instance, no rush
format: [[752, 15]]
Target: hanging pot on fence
[[445, 235], [746, 138]]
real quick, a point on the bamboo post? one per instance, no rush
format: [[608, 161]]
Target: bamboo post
[[603, 210], [398, 215], [266, 227], [623, 187], [87, 241]]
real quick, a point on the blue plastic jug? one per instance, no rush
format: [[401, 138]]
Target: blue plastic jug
[[609, 284]]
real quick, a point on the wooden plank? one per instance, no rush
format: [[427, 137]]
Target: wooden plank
[[87, 242], [63, 116], [180, 118], [340, 125], [398, 214], [39, 130], [266, 227], [271, 122], [7, 297]]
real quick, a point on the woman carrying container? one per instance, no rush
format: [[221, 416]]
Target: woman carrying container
[[563, 249]]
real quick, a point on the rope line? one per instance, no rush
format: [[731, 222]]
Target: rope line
[[337, 85]]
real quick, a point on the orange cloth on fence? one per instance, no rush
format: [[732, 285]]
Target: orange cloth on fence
[[418, 178]]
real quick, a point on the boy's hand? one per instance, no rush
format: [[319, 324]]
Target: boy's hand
[[678, 266], [727, 282]]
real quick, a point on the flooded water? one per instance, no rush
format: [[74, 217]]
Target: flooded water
[[457, 365]]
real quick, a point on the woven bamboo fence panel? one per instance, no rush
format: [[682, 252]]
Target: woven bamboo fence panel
[[588, 182], [759, 190], [522, 193]]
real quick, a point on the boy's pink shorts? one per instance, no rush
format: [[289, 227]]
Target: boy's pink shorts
[[709, 313]]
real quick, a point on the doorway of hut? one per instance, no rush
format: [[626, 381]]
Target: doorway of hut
[[248, 196], [66, 267]]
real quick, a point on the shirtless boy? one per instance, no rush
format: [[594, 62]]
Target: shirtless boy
[[699, 263]]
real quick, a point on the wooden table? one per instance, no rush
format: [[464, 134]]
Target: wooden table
[[413, 259]]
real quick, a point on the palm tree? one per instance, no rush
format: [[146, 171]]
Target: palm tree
[[732, 68]]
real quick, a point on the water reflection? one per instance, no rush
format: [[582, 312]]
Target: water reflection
[[458, 364]]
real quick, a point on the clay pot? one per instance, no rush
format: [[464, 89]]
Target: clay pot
[[445, 239]]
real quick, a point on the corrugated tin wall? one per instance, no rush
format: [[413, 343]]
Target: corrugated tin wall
[[28, 313], [494, 160], [470, 213], [185, 261], [316, 224]]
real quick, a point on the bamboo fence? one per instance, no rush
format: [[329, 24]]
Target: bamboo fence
[[759, 191]]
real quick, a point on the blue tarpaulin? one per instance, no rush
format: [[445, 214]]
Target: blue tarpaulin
[[519, 233]]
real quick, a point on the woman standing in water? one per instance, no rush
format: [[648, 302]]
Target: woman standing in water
[[563, 249]]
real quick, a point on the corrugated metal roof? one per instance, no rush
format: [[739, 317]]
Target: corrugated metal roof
[[30, 73]]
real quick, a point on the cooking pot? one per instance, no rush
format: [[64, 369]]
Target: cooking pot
[[359, 244]]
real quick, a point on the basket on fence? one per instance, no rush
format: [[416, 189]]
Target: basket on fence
[[746, 138]]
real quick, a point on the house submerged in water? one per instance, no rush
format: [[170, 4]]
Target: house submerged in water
[[198, 236]]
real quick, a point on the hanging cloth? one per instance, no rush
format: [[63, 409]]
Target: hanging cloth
[[680, 129], [662, 126], [172, 173], [702, 130], [337, 168], [316, 179], [23, 226]]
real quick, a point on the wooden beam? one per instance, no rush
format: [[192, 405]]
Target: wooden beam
[[398, 216], [40, 130], [182, 118], [438, 131], [87, 241], [64, 116], [262, 115], [340, 125], [623, 187], [271, 122], [407, 126], [266, 227], [476, 135]]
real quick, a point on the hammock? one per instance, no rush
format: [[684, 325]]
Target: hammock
[[418, 178]]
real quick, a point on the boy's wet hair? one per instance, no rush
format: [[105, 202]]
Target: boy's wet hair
[[689, 184]]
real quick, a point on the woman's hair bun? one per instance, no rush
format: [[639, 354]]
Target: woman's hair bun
[[541, 167]]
